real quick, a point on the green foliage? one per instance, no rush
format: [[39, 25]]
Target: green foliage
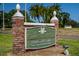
[[46, 13], [1, 18], [6, 44], [73, 46], [37, 10], [27, 16], [8, 17]]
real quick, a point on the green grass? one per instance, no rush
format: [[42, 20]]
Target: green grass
[[73, 46], [5, 43]]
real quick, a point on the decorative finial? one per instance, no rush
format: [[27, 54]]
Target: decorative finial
[[54, 16], [18, 13], [54, 13], [18, 7]]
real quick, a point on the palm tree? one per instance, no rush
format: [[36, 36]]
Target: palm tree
[[47, 13], [37, 10], [27, 18], [55, 7]]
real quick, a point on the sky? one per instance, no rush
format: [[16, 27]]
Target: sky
[[72, 8]]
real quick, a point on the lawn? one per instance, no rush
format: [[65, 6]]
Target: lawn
[[73, 46], [5, 43]]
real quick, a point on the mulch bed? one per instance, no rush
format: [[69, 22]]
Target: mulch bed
[[56, 50]]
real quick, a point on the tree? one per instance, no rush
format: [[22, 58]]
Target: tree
[[8, 17], [73, 23], [55, 7], [1, 16], [65, 18], [37, 10], [27, 16], [11, 13], [1, 19], [50, 10]]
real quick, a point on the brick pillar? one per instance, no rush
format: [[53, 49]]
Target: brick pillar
[[55, 20], [18, 32]]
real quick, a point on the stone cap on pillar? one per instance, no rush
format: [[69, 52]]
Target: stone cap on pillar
[[18, 14], [54, 17]]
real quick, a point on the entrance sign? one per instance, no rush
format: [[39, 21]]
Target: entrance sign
[[35, 35], [39, 35]]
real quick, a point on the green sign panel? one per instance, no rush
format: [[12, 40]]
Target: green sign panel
[[40, 37]]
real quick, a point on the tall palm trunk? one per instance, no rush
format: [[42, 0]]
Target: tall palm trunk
[[38, 19]]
